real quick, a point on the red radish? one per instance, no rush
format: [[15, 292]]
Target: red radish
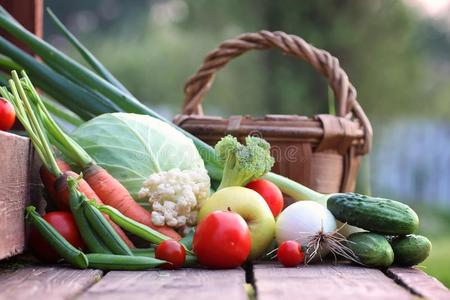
[[65, 224], [290, 254], [222, 240], [173, 252], [7, 115], [270, 192]]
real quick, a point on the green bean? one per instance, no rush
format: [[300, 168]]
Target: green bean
[[93, 242], [130, 225], [188, 239], [56, 240], [104, 229], [122, 262], [149, 252], [190, 261]]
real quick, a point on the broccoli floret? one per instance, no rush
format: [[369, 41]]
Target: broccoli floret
[[243, 163]]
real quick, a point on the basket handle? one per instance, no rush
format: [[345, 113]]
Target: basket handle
[[344, 92]]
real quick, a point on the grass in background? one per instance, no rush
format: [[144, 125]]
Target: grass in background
[[435, 224]]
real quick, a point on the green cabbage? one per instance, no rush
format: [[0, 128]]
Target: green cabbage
[[132, 147]]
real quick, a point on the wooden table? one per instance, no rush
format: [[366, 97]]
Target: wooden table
[[271, 281]]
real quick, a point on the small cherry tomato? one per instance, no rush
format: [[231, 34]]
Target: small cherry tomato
[[222, 240], [65, 224], [270, 192], [173, 252], [7, 115], [290, 254]]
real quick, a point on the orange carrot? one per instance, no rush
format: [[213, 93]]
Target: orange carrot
[[113, 193], [110, 190], [40, 138], [62, 192]]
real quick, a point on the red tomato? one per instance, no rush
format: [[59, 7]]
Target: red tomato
[[65, 224], [290, 254], [173, 252], [222, 240], [7, 115], [270, 192]]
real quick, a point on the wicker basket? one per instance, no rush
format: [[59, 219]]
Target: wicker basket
[[322, 152]]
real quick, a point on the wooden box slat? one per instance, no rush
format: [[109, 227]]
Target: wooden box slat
[[198, 284], [46, 283], [18, 188], [29, 13]]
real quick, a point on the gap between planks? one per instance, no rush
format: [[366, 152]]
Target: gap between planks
[[419, 283]]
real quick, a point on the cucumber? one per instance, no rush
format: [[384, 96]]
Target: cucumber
[[371, 249], [379, 215], [410, 250]]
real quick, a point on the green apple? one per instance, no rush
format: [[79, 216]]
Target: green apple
[[250, 206]]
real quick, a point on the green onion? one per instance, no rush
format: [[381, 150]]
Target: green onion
[[68, 93], [83, 75], [98, 67]]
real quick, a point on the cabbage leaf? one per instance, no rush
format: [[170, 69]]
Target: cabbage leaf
[[132, 147]]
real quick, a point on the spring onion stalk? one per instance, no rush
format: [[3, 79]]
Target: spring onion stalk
[[48, 53], [127, 102], [15, 100], [69, 94], [118, 98], [95, 64], [61, 112], [57, 136], [28, 119], [7, 64]]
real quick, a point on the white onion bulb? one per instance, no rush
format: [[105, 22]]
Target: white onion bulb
[[303, 220]]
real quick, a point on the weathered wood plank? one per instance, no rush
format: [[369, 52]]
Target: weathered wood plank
[[420, 283], [18, 182], [325, 282], [46, 283], [198, 284]]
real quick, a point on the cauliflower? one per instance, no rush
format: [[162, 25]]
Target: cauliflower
[[175, 196]]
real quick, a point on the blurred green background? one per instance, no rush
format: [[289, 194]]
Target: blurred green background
[[396, 53]]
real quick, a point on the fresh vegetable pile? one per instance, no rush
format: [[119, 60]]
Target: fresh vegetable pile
[[128, 177]]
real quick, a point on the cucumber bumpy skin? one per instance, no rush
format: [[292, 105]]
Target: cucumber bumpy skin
[[371, 249], [410, 250], [379, 215]]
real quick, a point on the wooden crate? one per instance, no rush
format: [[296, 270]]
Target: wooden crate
[[19, 187], [29, 13]]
